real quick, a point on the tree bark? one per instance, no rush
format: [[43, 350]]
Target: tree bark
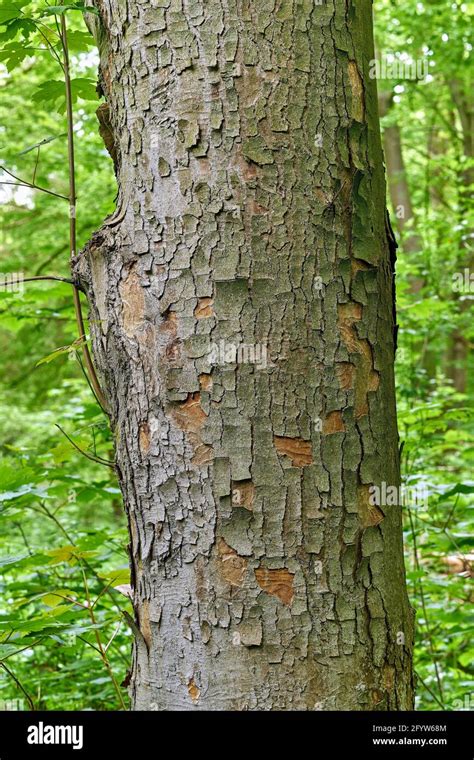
[[458, 354], [251, 212]]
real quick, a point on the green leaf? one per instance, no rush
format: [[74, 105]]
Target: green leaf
[[12, 560], [24, 25], [55, 355], [48, 93], [10, 10], [56, 598], [84, 88], [79, 42], [53, 93], [14, 54], [117, 577], [458, 488]]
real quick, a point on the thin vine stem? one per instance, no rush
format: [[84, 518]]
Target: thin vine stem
[[72, 213]]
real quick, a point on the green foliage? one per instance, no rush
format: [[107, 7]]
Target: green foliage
[[64, 641], [435, 419], [63, 531]]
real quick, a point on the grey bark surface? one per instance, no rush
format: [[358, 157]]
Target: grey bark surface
[[251, 210]]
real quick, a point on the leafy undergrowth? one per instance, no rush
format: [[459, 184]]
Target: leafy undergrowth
[[65, 640]]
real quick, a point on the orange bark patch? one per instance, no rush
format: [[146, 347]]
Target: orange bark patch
[[276, 582], [388, 677], [369, 514], [346, 372], [205, 381], [255, 209], [333, 424], [204, 166], [144, 436], [173, 350], [169, 323], [193, 690], [377, 696], [366, 378], [133, 303], [357, 265], [169, 330], [232, 566], [204, 308], [348, 314], [321, 196], [191, 417], [248, 170], [357, 87], [296, 449], [145, 626], [243, 494], [203, 455]]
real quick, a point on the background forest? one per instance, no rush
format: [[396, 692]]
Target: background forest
[[65, 625]]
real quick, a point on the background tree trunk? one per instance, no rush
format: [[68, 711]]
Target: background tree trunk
[[398, 185], [458, 354], [251, 211]]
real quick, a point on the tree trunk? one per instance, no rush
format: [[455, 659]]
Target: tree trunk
[[251, 214], [458, 354], [398, 186]]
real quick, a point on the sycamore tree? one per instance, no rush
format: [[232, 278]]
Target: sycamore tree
[[253, 564], [242, 314]]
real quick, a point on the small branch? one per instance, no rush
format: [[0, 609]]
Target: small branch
[[430, 691], [36, 163], [19, 684], [68, 599], [28, 646], [87, 357], [44, 510], [49, 277], [119, 625], [98, 460], [103, 652], [51, 258], [72, 212], [33, 186], [431, 645], [86, 376]]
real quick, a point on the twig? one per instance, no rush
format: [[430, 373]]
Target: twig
[[424, 608], [44, 277], [19, 684], [99, 460], [24, 183], [430, 691], [119, 625], [99, 643], [72, 212], [36, 163], [28, 646]]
